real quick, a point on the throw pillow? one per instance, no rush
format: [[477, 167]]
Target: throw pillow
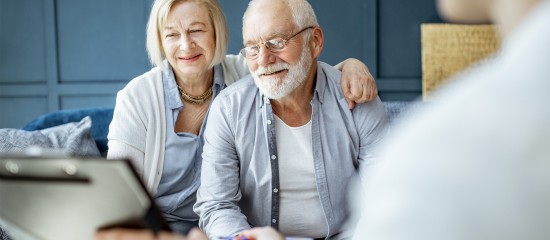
[[70, 138]]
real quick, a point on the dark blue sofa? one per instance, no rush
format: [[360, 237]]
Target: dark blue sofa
[[101, 118]]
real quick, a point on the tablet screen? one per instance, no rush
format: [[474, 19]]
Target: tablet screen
[[70, 198]]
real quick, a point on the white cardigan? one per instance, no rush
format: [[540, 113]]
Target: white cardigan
[[138, 129]]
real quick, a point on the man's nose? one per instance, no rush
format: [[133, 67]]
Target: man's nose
[[265, 56]]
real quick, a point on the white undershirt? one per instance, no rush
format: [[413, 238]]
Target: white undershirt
[[300, 212]]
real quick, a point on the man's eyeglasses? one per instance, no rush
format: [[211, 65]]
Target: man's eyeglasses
[[273, 45]]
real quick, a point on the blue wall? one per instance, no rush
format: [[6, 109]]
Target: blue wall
[[63, 54]]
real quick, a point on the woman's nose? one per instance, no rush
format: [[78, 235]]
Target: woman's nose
[[186, 43]]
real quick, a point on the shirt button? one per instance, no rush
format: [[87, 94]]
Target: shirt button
[[273, 157], [268, 121], [274, 220], [275, 190]]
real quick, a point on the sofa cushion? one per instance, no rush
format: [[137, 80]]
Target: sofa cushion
[[395, 109], [101, 118], [70, 138], [4, 235]]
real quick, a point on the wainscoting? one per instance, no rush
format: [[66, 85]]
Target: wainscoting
[[64, 54]]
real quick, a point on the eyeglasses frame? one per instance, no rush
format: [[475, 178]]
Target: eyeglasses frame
[[244, 50]]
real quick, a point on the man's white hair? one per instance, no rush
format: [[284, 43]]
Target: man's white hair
[[301, 11]]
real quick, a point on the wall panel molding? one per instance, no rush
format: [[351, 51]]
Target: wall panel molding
[[50, 45], [59, 54], [392, 41], [23, 90], [22, 50], [31, 83]]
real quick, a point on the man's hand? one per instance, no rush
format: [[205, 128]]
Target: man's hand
[[144, 234], [357, 83], [262, 233]]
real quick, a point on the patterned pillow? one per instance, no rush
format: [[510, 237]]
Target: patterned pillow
[[395, 109], [70, 138], [4, 235]]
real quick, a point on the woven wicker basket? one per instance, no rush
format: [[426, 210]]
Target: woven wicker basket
[[448, 49]]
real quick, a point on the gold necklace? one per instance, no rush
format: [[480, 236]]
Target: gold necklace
[[198, 100]]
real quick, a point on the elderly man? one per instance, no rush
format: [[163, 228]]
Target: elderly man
[[281, 146], [474, 164]]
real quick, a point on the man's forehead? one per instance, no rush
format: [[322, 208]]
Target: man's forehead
[[263, 22], [262, 32]]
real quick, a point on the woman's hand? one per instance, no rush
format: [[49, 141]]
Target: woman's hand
[[357, 83]]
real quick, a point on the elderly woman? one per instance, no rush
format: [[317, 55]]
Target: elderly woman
[[159, 116]]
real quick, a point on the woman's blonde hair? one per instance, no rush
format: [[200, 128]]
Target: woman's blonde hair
[[157, 21]]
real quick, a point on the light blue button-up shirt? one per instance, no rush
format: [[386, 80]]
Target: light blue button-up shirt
[[240, 180], [180, 179]]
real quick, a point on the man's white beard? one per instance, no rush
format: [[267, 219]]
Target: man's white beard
[[275, 87]]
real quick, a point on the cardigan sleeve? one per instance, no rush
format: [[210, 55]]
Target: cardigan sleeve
[[127, 132], [137, 131]]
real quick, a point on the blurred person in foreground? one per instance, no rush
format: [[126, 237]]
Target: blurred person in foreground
[[159, 117], [474, 163]]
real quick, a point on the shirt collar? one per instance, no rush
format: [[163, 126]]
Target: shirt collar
[[320, 83], [171, 92], [219, 79]]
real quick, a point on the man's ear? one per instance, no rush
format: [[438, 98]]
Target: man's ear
[[316, 42]]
